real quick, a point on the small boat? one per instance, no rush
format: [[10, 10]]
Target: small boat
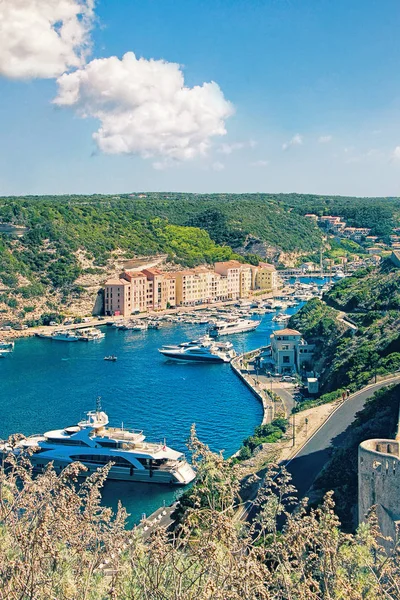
[[153, 325], [111, 358]]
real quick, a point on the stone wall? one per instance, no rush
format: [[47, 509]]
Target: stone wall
[[379, 483]]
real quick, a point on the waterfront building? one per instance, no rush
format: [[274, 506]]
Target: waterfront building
[[138, 283], [231, 270], [160, 292], [266, 277], [153, 289], [290, 352], [117, 297]]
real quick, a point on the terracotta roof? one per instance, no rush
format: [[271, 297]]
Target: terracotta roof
[[267, 266], [153, 271], [134, 275], [229, 264], [287, 332], [116, 282]]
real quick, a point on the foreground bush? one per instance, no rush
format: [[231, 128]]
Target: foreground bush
[[57, 542]]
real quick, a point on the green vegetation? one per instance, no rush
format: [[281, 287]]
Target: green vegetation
[[379, 214], [324, 399], [69, 236], [378, 419], [346, 358], [57, 541], [263, 434]]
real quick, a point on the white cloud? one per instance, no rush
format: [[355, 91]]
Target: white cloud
[[296, 140], [217, 166], [144, 107], [324, 139], [396, 153], [43, 38], [229, 148], [260, 163]]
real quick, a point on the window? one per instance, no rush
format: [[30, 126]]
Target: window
[[102, 459], [286, 359]]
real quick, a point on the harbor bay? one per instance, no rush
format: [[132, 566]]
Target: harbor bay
[[52, 384]]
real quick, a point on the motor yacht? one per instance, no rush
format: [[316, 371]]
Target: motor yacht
[[228, 327], [90, 335], [210, 353], [63, 335], [94, 444], [281, 318], [134, 326]]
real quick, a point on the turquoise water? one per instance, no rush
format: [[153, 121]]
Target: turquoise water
[[46, 385]]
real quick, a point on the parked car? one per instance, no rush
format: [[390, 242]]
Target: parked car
[[86, 319], [53, 323], [6, 328], [289, 378]]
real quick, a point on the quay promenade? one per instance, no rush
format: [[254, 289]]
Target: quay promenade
[[95, 321], [267, 390]]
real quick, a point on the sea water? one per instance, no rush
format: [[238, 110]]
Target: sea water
[[47, 385]]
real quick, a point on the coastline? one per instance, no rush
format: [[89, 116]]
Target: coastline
[[14, 334]]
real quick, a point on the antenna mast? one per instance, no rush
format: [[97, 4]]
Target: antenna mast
[[98, 404]]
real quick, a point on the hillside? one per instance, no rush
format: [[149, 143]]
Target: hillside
[[66, 246], [380, 214], [346, 358]]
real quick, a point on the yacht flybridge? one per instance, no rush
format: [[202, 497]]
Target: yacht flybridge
[[94, 444]]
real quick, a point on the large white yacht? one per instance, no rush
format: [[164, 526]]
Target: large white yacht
[[202, 352], [93, 444], [228, 327]]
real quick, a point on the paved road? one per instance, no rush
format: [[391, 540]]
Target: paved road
[[306, 465]]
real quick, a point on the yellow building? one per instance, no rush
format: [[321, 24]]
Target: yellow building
[[266, 277]]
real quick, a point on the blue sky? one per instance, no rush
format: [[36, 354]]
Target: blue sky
[[309, 97]]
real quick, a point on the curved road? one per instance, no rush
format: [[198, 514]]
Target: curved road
[[311, 458], [308, 462]]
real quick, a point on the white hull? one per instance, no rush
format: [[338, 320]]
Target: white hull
[[94, 444], [117, 473], [236, 329]]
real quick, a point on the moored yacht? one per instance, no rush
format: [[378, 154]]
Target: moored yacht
[[63, 335], [89, 334], [228, 327], [94, 444], [210, 353]]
